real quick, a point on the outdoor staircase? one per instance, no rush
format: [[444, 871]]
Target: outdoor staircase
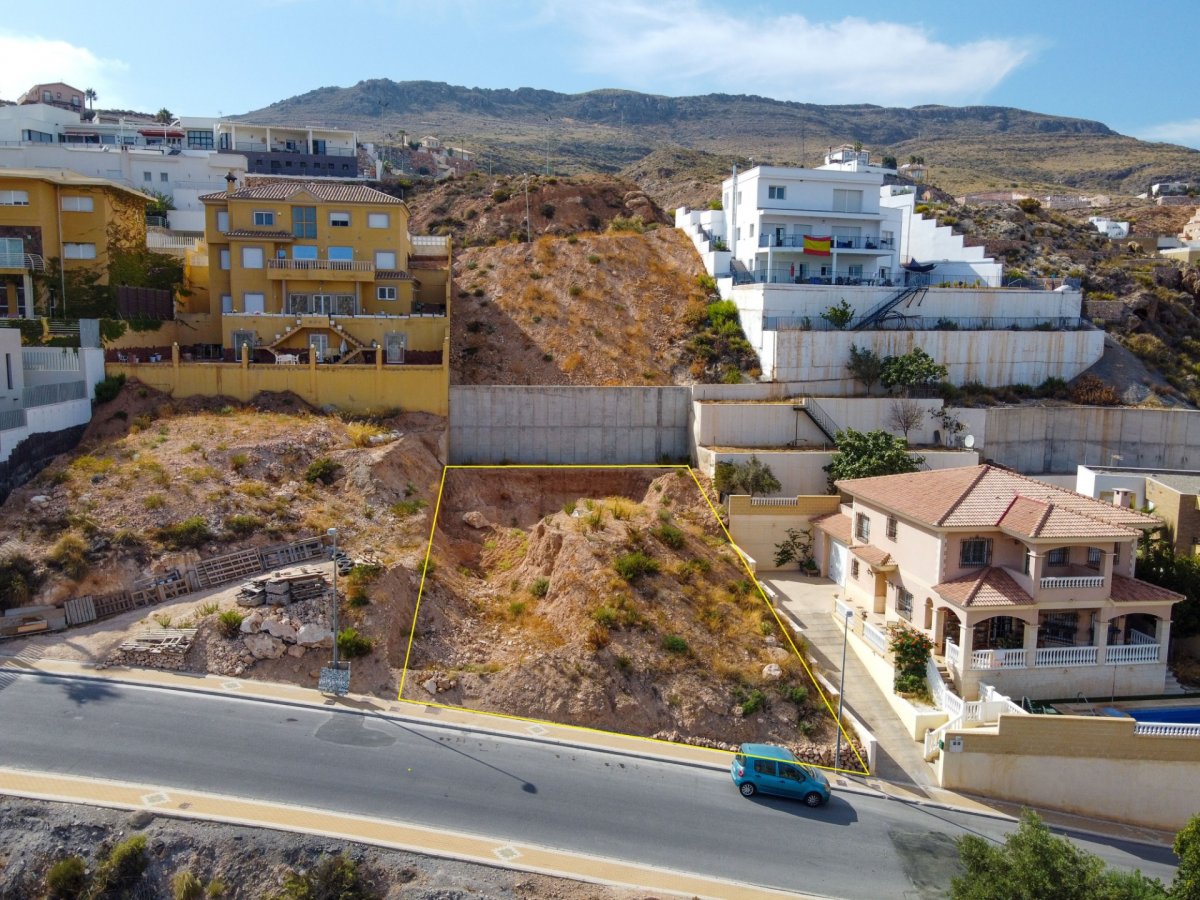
[[875, 315], [818, 417], [943, 671], [354, 347]]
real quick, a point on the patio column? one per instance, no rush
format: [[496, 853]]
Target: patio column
[[1030, 643], [966, 642], [1162, 632], [1100, 639]]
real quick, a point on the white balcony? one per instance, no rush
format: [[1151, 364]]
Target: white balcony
[[1073, 581], [1127, 654], [953, 654], [1066, 656], [997, 659]]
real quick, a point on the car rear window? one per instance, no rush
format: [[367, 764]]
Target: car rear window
[[741, 759]]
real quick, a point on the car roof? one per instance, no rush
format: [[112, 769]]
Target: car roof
[[768, 751]]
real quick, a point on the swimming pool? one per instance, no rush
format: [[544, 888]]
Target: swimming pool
[[1172, 715]]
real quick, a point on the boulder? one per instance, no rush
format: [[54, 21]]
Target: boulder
[[251, 624], [282, 630], [295, 650], [475, 519], [313, 635], [39, 500], [431, 687], [263, 646], [778, 654], [772, 672]]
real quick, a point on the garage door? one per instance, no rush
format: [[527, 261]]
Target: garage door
[[839, 553]]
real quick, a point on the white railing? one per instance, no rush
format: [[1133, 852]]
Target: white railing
[[998, 702], [997, 659], [430, 244], [953, 654], [1074, 581], [875, 637], [841, 610], [322, 265], [1169, 729], [158, 240], [945, 699], [47, 394], [1137, 637], [1131, 653], [774, 501], [12, 418], [933, 738], [46, 359], [1066, 656]]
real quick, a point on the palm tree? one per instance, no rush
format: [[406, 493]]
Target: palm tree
[[90, 96], [164, 115]]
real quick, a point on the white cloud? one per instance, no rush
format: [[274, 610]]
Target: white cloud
[[1183, 131], [687, 46], [30, 60]]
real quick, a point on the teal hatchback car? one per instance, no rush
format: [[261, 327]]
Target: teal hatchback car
[[775, 770]]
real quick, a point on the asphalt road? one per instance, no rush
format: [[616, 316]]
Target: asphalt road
[[657, 813]]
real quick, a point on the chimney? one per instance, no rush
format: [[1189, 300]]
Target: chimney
[[1122, 497], [230, 183]]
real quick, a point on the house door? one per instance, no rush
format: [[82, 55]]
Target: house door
[[780, 234], [839, 555], [321, 343], [395, 344]]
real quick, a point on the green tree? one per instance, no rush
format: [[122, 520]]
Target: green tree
[[90, 96], [866, 454], [165, 116], [912, 370], [865, 365], [751, 477], [1158, 564], [1034, 864], [839, 316], [1186, 885]]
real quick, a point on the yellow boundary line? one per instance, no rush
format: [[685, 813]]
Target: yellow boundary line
[[785, 630]]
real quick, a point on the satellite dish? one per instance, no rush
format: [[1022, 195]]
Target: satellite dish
[[969, 441]]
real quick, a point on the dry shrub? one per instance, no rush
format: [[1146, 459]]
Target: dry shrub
[[1091, 391], [572, 362], [360, 433]]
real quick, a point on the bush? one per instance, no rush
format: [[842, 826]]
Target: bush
[[352, 645], [797, 694], [186, 886], [673, 643], [1029, 205], [243, 524], [66, 879], [632, 566], [108, 388], [547, 210], [334, 878], [120, 870], [669, 535], [1091, 391], [239, 461], [405, 508], [635, 224], [540, 587], [19, 580], [69, 554], [605, 615], [909, 684], [324, 470], [191, 532], [229, 624], [754, 702]]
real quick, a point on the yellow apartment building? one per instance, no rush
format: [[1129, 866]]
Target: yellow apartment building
[[56, 214]]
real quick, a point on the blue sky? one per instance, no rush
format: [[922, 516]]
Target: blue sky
[[1123, 63]]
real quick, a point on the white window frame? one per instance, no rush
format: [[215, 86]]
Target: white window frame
[[862, 526], [259, 296], [379, 220], [385, 259], [846, 200], [147, 177], [76, 203], [14, 198], [339, 220], [904, 603], [776, 192], [72, 250], [252, 258], [385, 292], [222, 220], [264, 218]]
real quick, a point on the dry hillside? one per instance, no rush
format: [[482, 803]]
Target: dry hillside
[[619, 308], [609, 599]]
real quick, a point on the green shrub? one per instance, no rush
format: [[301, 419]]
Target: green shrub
[[669, 535], [593, 258], [547, 210], [108, 388], [19, 580], [754, 702], [632, 566], [569, 507], [352, 645], [798, 694], [540, 587], [673, 643], [66, 879], [207, 609], [229, 624], [69, 554], [334, 878], [239, 461], [243, 524], [191, 532], [909, 684], [120, 870], [404, 508], [324, 470], [186, 886], [605, 615], [516, 609]]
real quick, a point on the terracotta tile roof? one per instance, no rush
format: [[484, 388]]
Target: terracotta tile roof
[[331, 192], [1038, 519], [1130, 590], [873, 556], [984, 587], [836, 525], [253, 235], [979, 496]]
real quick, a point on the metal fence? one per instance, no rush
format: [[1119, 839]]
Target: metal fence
[[49, 359], [12, 418], [895, 321], [47, 394]]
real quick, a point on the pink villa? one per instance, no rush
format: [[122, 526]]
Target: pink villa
[[1021, 584]]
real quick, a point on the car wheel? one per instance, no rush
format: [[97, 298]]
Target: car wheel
[[748, 789], [812, 798]]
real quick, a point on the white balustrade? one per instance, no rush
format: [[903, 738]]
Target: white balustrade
[[998, 659], [842, 610], [875, 637], [1066, 656], [953, 654], [1131, 653], [1074, 581], [774, 501], [1169, 729], [1137, 637]]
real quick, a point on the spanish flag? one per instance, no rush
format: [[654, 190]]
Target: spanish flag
[[816, 246]]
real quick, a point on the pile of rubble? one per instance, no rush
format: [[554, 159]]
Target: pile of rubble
[[270, 634], [155, 648]]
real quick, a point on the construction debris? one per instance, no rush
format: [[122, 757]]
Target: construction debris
[[284, 587]]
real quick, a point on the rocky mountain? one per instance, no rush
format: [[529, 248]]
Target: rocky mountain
[[966, 148]]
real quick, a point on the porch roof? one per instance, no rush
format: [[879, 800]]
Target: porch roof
[[991, 586], [836, 525], [873, 556], [1035, 518], [1131, 590]]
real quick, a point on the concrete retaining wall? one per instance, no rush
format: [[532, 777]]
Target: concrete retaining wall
[[777, 424], [564, 425]]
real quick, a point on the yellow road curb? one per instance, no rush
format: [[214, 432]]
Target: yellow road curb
[[168, 801]]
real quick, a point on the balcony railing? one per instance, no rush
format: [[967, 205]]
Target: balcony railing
[[953, 654], [48, 394], [897, 321], [12, 418], [46, 359], [1124, 654], [321, 265], [1138, 637], [1066, 656], [29, 261], [875, 637], [997, 659], [430, 245], [796, 241], [1073, 581]]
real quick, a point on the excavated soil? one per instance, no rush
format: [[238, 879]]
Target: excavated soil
[[526, 614]]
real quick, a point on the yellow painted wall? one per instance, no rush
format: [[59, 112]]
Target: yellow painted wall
[[757, 529], [1091, 766]]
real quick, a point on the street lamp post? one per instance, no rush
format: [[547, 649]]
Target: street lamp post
[[837, 756], [333, 533]]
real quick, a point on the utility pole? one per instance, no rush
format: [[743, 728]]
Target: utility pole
[[333, 533], [528, 224], [547, 145], [837, 756]]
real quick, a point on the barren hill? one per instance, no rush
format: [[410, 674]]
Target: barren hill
[[610, 599], [968, 148]]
